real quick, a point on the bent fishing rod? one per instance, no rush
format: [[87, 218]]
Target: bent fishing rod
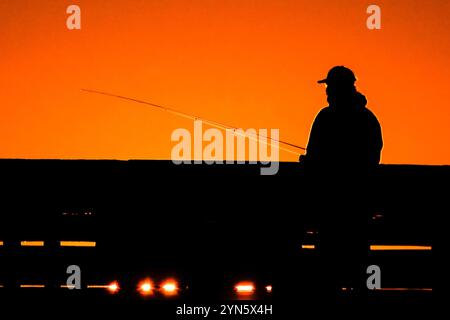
[[194, 118]]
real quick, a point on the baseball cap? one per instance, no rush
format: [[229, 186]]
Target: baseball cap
[[339, 74]]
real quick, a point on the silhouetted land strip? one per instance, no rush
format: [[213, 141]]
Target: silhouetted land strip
[[208, 225]]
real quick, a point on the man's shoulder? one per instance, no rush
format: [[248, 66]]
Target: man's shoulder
[[323, 116], [370, 115], [324, 112]]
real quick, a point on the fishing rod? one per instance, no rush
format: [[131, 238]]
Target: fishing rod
[[194, 118]]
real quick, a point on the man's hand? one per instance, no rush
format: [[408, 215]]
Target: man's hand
[[302, 158]]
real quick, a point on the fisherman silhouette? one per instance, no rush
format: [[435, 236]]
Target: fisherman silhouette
[[345, 133], [343, 151]]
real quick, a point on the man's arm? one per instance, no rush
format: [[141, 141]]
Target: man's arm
[[377, 140], [313, 147]]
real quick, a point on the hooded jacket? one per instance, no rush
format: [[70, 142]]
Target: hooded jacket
[[345, 134]]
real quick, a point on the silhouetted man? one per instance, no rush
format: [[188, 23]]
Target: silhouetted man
[[345, 133], [344, 149]]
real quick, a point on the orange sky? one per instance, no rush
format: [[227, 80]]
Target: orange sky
[[246, 63]]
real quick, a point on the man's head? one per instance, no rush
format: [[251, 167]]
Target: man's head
[[340, 83]]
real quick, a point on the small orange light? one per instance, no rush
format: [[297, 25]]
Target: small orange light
[[169, 287], [245, 288], [269, 289], [32, 243], [145, 287], [113, 287]]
